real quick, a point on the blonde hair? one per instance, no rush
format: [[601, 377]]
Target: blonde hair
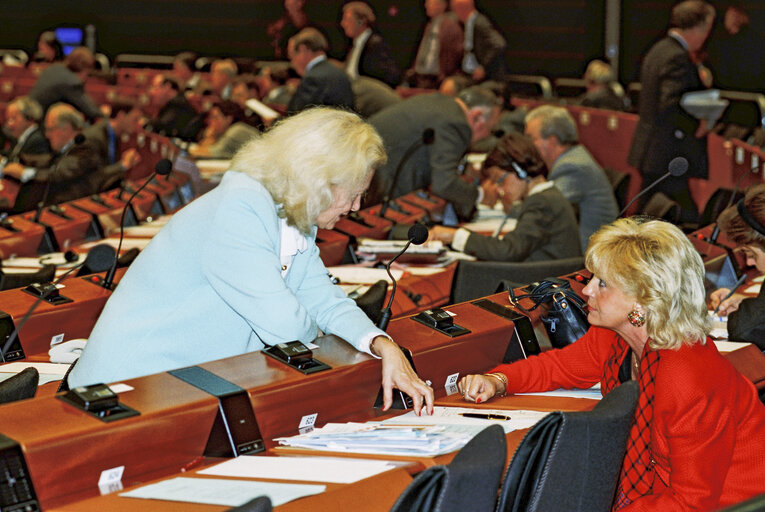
[[301, 158], [654, 262]]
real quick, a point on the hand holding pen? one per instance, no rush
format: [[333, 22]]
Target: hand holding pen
[[730, 307]]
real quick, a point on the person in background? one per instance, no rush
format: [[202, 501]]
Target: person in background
[[546, 227], [49, 50], [22, 123], [184, 71], [125, 120], [698, 438], [175, 117], [439, 53], [598, 78], [225, 132], [454, 84], [369, 54], [242, 89], [222, 74], [279, 32], [484, 47], [246, 271], [576, 173], [744, 224]]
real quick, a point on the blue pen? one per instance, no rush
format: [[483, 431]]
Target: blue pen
[[730, 293]]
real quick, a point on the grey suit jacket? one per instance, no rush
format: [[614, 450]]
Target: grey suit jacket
[[435, 166], [582, 181], [323, 84], [57, 83]]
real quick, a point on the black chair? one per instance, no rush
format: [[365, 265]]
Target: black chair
[[469, 482], [19, 387], [756, 504], [371, 302], [662, 207], [9, 281], [259, 504], [716, 203], [620, 184], [571, 461], [475, 279]]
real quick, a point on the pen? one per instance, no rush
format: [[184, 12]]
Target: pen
[[730, 293], [484, 416]]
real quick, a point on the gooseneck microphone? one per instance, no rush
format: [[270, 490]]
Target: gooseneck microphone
[[677, 167], [428, 136], [78, 140], [163, 168], [417, 235], [96, 257]]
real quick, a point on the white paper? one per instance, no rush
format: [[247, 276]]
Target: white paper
[[143, 231], [362, 275], [48, 368], [592, 393], [337, 470], [729, 346], [127, 243], [519, 419], [214, 491]]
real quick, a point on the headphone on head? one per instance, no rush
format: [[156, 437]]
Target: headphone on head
[[747, 217]]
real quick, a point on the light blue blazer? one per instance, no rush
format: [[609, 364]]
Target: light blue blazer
[[209, 286]]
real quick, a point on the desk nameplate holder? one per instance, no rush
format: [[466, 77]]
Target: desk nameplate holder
[[400, 399], [15, 351], [439, 320], [235, 430], [99, 401], [297, 356], [47, 292], [523, 342]]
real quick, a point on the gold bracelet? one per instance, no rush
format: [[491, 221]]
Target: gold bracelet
[[500, 377]]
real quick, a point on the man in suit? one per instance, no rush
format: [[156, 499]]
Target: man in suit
[[106, 134], [369, 54], [66, 83], [322, 83], [456, 123], [440, 51], [484, 46], [74, 171], [665, 130], [176, 117], [22, 118], [573, 170]]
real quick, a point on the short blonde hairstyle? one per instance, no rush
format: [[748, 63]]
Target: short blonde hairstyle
[[302, 158], [654, 262]]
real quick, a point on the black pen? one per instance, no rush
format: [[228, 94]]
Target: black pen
[[730, 293], [484, 416]]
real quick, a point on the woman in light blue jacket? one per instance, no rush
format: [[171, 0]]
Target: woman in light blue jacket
[[238, 268]]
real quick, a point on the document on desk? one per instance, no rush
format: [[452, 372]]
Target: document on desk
[[215, 491], [48, 371], [454, 418], [592, 393], [337, 470], [362, 275]]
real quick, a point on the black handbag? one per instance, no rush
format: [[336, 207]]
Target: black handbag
[[565, 320]]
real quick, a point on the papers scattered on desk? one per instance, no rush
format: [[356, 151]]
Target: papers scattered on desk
[[429, 252], [451, 417], [214, 491], [362, 275], [48, 371], [719, 326], [305, 469], [592, 393]]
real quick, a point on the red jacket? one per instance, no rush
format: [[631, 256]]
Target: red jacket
[[708, 431]]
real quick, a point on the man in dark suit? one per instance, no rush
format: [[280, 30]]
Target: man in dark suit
[[665, 130], [439, 53], [106, 134], [322, 83], [369, 54], [22, 118], [176, 117], [484, 46], [74, 172], [456, 123], [66, 82]]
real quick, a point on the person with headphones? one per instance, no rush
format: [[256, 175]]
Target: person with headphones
[[546, 226], [744, 224]]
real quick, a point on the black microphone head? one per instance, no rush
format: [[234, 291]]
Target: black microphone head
[[100, 258], [70, 256], [163, 167], [678, 166], [418, 233], [79, 139], [428, 136]]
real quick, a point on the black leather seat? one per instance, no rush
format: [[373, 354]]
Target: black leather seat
[[19, 387]]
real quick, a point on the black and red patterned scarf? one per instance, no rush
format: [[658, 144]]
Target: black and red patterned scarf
[[637, 473]]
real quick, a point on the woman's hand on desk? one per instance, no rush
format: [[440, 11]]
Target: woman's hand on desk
[[729, 305], [441, 234], [397, 373], [481, 388]]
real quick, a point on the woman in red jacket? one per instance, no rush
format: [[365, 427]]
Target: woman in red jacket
[[698, 439]]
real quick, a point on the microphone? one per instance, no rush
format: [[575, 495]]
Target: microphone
[[78, 140], [677, 167], [417, 235], [96, 256], [716, 230], [163, 168], [428, 136]]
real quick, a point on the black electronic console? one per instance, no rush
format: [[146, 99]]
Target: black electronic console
[[400, 399], [48, 292], [235, 431], [99, 401], [297, 356], [441, 321], [14, 352], [523, 342], [17, 494]]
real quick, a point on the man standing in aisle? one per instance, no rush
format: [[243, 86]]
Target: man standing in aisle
[[484, 46], [665, 130]]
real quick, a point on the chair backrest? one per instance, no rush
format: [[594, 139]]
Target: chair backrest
[[259, 504], [469, 482], [571, 460], [620, 184], [20, 386], [662, 207], [716, 203], [8, 281], [371, 302]]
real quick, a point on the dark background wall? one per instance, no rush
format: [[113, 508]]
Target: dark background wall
[[549, 37]]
